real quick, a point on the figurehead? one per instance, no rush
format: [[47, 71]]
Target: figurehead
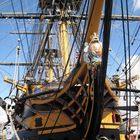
[[93, 50], [95, 46]]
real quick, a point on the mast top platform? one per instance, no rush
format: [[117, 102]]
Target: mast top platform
[[69, 4]]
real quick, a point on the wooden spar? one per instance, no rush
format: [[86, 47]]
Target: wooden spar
[[32, 16], [50, 72], [93, 26], [94, 18], [64, 46], [17, 85]]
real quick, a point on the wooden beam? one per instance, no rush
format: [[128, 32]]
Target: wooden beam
[[23, 64], [124, 89], [20, 15]]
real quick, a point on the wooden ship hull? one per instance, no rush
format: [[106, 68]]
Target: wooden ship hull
[[74, 112]]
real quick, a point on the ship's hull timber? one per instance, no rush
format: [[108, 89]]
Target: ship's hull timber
[[33, 135], [65, 108], [73, 110]]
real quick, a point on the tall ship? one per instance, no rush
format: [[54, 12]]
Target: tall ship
[[65, 93]]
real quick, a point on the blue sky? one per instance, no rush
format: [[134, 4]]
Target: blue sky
[[116, 43], [8, 42]]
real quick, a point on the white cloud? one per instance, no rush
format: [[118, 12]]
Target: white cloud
[[135, 63], [3, 116], [136, 4]]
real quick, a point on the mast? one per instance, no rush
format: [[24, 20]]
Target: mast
[[50, 61], [94, 18], [63, 29], [50, 74]]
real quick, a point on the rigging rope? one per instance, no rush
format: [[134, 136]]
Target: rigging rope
[[41, 48], [35, 39], [18, 32], [16, 71], [135, 35], [28, 46], [135, 61], [126, 69], [133, 39], [125, 50], [129, 62]]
